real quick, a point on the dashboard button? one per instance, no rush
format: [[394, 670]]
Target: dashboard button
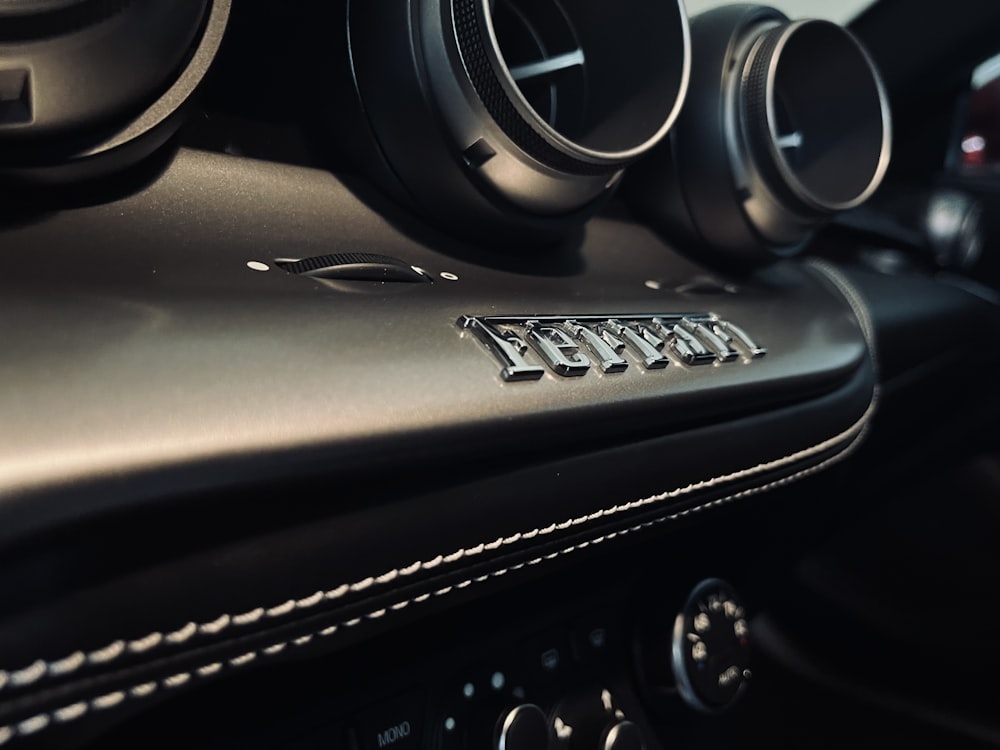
[[547, 658], [594, 638]]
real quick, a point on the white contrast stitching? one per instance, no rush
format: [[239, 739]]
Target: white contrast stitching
[[309, 601], [409, 570], [338, 592], [387, 578], [281, 609], [69, 664], [248, 617], [184, 634], [139, 645], [141, 691], [857, 302], [246, 658], [216, 626], [109, 700], [862, 313], [70, 712], [34, 724], [361, 585], [102, 656], [177, 680], [76, 710], [29, 674], [109, 653]]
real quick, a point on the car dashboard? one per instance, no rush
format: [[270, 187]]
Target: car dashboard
[[360, 391]]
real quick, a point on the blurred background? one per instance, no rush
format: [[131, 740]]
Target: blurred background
[[841, 12]]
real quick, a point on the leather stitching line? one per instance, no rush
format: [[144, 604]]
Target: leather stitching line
[[40, 669], [71, 712], [857, 302]]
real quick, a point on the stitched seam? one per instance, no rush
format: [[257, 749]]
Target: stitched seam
[[74, 711], [40, 669], [857, 302]]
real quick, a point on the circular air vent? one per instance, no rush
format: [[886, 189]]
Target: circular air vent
[[787, 124], [545, 61], [80, 79], [564, 86], [816, 116], [517, 116]]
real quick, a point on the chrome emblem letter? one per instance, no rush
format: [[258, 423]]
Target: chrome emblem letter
[[558, 350], [508, 350], [559, 342]]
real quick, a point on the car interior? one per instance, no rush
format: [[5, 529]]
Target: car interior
[[499, 374]]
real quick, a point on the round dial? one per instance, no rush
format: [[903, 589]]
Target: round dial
[[524, 727], [710, 649], [623, 736], [592, 719]]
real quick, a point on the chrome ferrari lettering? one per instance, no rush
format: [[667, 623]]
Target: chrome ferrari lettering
[[607, 347], [725, 327], [644, 341], [526, 346], [686, 345], [558, 350], [508, 349], [718, 344]]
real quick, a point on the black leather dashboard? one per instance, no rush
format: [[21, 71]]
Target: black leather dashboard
[[157, 376], [268, 441]]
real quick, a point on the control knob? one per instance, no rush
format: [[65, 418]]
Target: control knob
[[710, 647], [623, 736], [592, 720], [524, 727]]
